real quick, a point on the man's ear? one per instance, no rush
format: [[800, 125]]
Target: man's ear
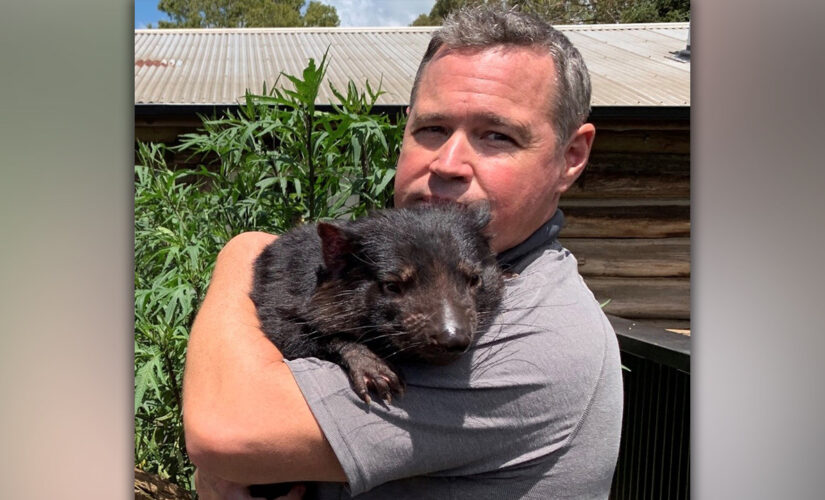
[[576, 154]]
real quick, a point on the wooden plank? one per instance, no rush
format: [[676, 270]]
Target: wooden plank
[[660, 257], [612, 185], [626, 202], [191, 121], [165, 134], [650, 221], [643, 141], [680, 326], [630, 163], [633, 175], [643, 298], [622, 124]]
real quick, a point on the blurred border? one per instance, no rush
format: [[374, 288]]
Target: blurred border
[[757, 249], [66, 246], [66, 126]]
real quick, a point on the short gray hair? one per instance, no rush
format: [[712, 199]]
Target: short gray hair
[[482, 26]]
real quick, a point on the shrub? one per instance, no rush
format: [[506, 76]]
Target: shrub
[[276, 162]]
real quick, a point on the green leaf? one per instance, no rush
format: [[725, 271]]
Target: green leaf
[[388, 176], [245, 170], [145, 377], [265, 183]]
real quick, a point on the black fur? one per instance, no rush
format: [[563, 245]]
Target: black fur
[[411, 284], [405, 284]]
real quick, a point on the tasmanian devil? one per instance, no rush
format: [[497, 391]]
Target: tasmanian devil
[[413, 284]]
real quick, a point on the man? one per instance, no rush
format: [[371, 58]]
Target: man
[[497, 113]]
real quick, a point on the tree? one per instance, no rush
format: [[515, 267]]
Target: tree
[[318, 14], [246, 13], [421, 20], [556, 12], [638, 11], [575, 11], [440, 10]]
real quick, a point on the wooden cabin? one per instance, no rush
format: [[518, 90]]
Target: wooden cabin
[[628, 216]]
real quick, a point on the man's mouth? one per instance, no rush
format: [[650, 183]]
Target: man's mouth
[[434, 200]]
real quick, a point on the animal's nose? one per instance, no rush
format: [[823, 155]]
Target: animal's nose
[[454, 339], [454, 334]]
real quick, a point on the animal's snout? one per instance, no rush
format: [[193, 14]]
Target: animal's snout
[[454, 334], [454, 339]]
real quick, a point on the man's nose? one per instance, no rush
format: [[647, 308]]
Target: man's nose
[[455, 158]]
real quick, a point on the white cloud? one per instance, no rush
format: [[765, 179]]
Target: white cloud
[[361, 13]]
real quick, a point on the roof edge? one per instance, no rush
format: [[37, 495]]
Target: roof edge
[[409, 29], [315, 29], [596, 113]]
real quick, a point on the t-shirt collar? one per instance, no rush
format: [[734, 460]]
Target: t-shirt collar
[[517, 258]]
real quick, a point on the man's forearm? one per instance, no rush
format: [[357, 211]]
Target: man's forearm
[[244, 415]]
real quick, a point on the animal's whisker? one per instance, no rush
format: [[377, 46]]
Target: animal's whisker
[[356, 292]]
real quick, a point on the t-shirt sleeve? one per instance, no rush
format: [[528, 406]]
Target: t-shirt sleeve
[[517, 397], [430, 430]]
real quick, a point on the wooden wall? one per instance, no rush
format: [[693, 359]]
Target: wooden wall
[[627, 217], [628, 220], [165, 128]]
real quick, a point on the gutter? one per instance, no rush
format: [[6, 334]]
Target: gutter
[[664, 113], [656, 344]]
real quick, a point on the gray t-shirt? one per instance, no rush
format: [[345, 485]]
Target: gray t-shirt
[[533, 410]]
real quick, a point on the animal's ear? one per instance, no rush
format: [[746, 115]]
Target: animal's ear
[[336, 244], [480, 211]]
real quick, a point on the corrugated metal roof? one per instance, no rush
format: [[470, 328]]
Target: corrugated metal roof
[[630, 64]]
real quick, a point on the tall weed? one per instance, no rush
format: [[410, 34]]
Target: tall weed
[[276, 162]]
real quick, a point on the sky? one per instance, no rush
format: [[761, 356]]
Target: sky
[[351, 12]]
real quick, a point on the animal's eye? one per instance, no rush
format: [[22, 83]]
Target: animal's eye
[[391, 287], [475, 280]]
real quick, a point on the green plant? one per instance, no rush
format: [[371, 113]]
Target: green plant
[[276, 162], [303, 163]]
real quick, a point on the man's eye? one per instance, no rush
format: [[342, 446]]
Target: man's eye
[[499, 137], [433, 129], [432, 136]]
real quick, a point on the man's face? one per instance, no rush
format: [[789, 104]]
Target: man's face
[[481, 129]]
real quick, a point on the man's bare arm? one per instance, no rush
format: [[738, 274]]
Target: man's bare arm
[[244, 416]]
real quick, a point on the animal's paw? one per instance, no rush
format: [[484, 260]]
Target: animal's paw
[[371, 373]]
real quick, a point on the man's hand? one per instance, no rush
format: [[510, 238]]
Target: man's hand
[[211, 487]]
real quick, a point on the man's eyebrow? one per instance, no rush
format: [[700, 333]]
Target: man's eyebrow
[[429, 117], [523, 131]]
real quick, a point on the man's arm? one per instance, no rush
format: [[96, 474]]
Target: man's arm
[[244, 416]]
